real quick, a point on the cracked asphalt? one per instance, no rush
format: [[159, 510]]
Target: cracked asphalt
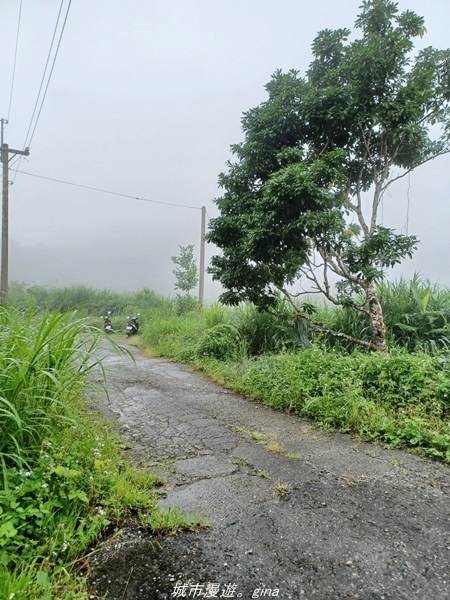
[[294, 512]]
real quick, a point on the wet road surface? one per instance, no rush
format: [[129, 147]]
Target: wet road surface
[[294, 512]]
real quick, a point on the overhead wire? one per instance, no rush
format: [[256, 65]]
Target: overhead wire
[[44, 73], [51, 70], [28, 137], [15, 61], [95, 189], [408, 203]]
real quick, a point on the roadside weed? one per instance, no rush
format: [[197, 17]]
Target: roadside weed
[[64, 479], [241, 462], [258, 436], [282, 489], [263, 474], [275, 447], [171, 520]]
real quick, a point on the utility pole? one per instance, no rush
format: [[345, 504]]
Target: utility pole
[[5, 152], [201, 278], [3, 122]]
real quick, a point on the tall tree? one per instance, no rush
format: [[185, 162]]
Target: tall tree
[[301, 201], [186, 274]]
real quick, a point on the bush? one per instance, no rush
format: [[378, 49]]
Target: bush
[[403, 400], [222, 342], [407, 379], [267, 333], [185, 304]]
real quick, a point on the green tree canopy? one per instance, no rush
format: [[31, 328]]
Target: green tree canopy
[[301, 200], [186, 275]]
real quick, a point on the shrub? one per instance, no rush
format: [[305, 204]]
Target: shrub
[[407, 379], [402, 400], [266, 333], [222, 342], [185, 304]]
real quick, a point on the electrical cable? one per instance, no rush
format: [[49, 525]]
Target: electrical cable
[[407, 207], [27, 143], [88, 187], [45, 71], [51, 71], [15, 61]]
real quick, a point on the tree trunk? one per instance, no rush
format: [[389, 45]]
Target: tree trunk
[[376, 320]]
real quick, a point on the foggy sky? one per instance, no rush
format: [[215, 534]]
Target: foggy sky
[[145, 99]]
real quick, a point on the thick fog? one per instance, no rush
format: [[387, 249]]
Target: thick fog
[[144, 100]]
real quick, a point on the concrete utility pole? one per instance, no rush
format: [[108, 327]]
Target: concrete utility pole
[[201, 278], [5, 152]]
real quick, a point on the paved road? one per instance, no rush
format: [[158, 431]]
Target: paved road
[[294, 512]]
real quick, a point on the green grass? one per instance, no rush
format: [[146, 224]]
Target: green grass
[[64, 481], [403, 400]]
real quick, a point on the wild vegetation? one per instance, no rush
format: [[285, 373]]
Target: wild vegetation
[[302, 196], [61, 490], [402, 399], [294, 210], [64, 481]]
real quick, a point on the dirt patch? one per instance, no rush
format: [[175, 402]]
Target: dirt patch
[[327, 518]]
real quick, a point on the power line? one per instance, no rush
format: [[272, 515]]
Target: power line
[[88, 187], [18, 161], [15, 60], [45, 71], [51, 70]]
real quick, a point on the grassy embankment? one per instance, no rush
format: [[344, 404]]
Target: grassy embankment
[[63, 480], [402, 400]]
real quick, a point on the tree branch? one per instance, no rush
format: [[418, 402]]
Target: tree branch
[[320, 327], [411, 169]]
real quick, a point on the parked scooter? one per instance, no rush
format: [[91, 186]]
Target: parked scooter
[[107, 323], [132, 327]]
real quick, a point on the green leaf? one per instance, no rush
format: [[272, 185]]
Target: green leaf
[[7, 530], [64, 472], [78, 494], [42, 579]]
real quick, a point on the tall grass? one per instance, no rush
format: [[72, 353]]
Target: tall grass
[[416, 314], [45, 358], [64, 480], [88, 300]]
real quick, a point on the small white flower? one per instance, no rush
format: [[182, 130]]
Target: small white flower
[[45, 485], [25, 473]]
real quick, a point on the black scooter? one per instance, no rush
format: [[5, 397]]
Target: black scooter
[[132, 327]]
